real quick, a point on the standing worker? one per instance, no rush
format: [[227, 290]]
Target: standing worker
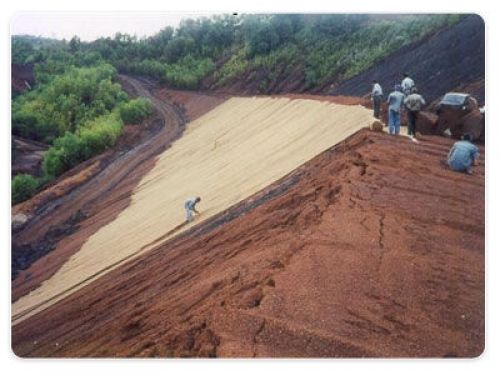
[[463, 155], [190, 206], [413, 103], [407, 84], [395, 101], [377, 96]]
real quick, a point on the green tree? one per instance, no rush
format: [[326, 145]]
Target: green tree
[[23, 186], [136, 110]]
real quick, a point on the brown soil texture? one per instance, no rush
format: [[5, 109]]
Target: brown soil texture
[[27, 156], [452, 59], [373, 248], [193, 104], [64, 214], [338, 99]]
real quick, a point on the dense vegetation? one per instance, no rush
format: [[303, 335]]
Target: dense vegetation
[[324, 48], [76, 106]]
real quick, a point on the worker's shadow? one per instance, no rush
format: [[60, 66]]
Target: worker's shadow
[[177, 228], [166, 235]]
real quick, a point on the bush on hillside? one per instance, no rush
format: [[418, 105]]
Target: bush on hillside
[[91, 139], [136, 110], [23, 186], [189, 72], [66, 101]]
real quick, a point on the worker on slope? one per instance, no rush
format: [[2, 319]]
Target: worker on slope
[[190, 206], [395, 101], [413, 104], [407, 84], [377, 96], [463, 155]]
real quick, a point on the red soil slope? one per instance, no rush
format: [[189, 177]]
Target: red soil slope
[[373, 248]]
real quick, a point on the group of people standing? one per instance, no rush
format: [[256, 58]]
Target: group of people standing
[[461, 157], [404, 95]]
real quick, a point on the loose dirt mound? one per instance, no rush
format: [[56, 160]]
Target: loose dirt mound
[[220, 157], [372, 248], [451, 59]]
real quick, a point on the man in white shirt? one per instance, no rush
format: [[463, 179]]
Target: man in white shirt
[[377, 96], [407, 84]]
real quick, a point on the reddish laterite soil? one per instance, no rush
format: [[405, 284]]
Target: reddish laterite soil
[[373, 248]]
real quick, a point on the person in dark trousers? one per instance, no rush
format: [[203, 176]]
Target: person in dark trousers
[[377, 96], [413, 103], [463, 155], [407, 84]]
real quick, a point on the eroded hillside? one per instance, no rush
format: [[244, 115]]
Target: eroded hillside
[[370, 249]]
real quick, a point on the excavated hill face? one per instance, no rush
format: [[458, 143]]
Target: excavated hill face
[[235, 150], [451, 60], [372, 248]]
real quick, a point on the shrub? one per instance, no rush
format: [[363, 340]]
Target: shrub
[[66, 101], [23, 186], [189, 72], [234, 67], [64, 154], [96, 136], [53, 163], [91, 139], [136, 110]]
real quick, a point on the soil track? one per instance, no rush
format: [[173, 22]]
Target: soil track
[[88, 197], [372, 248]]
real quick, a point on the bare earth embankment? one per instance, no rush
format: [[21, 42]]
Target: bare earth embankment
[[228, 154], [372, 248]]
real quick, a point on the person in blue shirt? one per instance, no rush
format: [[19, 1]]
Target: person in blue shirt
[[463, 155], [395, 101], [190, 206]]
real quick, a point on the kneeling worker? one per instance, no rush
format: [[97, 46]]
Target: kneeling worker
[[190, 206], [463, 155]]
